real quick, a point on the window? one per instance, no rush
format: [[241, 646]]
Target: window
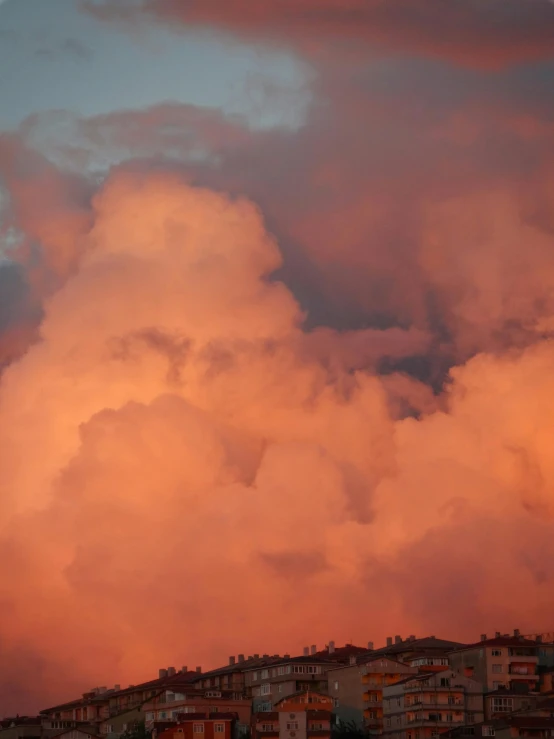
[[450, 700], [265, 707], [299, 669], [254, 676], [265, 674], [149, 716], [163, 714], [497, 685], [497, 653], [497, 668], [317, 727], [434, 733], [335, 702], [487, 731], [190, 709], [266, 689], [292, 726], [502, 705], [267, 727], [280, 688], [198, 728], [387, 721], [219, 728], [288, 670], [371, 714], [445, 682], [336, 685], [281, 671]]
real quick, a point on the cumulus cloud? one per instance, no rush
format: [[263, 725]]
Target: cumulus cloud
[[177, 447]]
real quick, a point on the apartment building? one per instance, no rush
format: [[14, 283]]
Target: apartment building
[[232, 676], [305, 715], [504, 661], [112, 710], [425, 705], [412, 648], [176, 700], [357, 689], [268, 684], [202, 726]]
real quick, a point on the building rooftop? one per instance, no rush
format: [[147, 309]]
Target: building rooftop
[[214, 715], [303, 692], [262, 716], [162, 683], [498, 641], [428, 644]]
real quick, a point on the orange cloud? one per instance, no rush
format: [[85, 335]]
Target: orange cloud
[[177, 447]]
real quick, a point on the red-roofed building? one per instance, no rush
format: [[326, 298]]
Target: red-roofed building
[[505, 661], [202, 726]]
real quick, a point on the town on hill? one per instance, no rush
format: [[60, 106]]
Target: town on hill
[[410, 688]]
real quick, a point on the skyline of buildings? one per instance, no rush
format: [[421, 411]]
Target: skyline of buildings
[[412, 688]]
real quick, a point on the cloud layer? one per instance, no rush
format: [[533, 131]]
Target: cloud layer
[[249, 376]]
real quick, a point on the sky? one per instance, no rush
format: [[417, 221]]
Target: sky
[[276, 330]]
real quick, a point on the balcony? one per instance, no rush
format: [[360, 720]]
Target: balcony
[[436, 705], [423, 721], [524, 670]]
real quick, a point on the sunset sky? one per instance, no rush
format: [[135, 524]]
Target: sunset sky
[[276, 330]]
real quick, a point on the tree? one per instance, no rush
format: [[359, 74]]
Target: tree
[[349, 730], [136, 730]]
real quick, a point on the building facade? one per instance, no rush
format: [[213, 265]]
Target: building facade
[[357, 690], [423, 706], [172, 702], [268, 684], [305, 715], [508, 662], [202, 726]]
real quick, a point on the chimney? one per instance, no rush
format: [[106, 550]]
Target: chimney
[[538, 638], [398, 639], [483, 637], [256, 656], [162, 673], [286, 656], [184, 668], [517, 633], [370, 646], [231, 660], [241, 657], [265, 656], [306, 651], [117, 687], [497, 634], [411, 637], [199, 670], [313, 649], [389, 641], [171, 671], [331, 647]]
